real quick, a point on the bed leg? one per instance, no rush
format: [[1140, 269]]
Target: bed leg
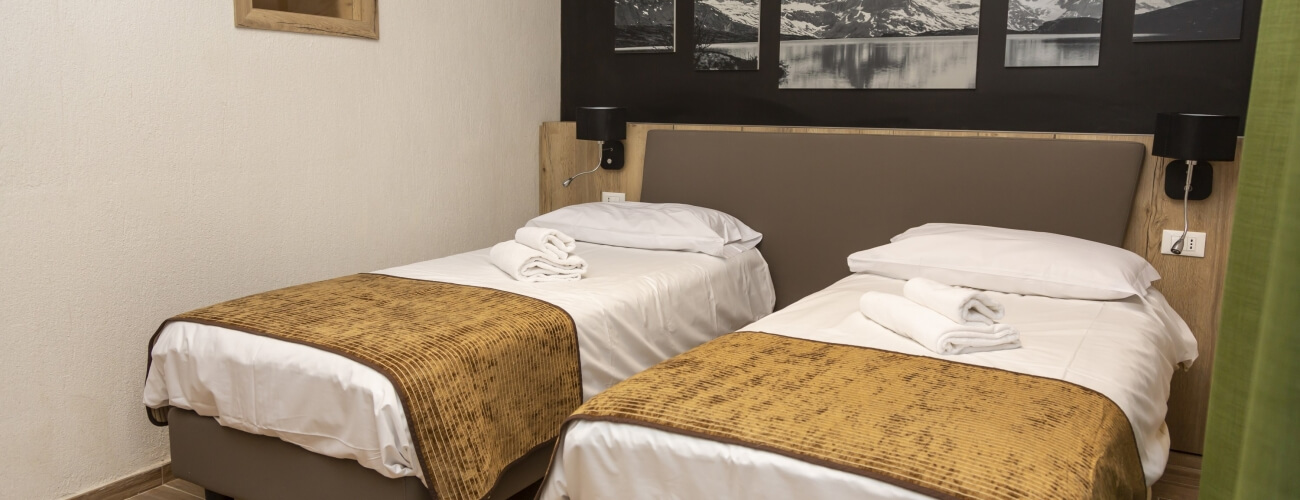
[[212, 495]]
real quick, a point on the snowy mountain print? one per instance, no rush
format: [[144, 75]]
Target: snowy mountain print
[[1043, 33], [726, 34], [833, 19], [1144, 6], [1185, 20], [1055, 16], [644, 26], [879, 44]]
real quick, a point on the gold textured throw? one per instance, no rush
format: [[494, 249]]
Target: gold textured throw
[[941, 428], [485, 376]]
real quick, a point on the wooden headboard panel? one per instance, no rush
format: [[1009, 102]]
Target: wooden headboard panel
[[1193, 286], [818, 198]]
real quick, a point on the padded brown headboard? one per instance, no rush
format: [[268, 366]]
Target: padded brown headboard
[[819, 197]]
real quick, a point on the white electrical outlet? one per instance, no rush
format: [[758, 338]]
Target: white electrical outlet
[[607, 196], [1193, 246]]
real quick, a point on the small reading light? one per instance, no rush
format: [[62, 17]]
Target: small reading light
[[607, 126], [1190, 141]]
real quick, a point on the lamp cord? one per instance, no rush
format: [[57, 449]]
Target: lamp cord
[[1177, 248], [580, 174]]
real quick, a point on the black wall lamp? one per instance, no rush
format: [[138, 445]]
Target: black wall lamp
[[1191, 141], [607, 126]]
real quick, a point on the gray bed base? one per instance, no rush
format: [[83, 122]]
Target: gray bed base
[[230, 463]]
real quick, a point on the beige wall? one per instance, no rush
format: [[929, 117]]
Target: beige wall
[[154, 159]]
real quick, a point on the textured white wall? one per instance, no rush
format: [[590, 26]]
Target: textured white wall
[[155, 159]]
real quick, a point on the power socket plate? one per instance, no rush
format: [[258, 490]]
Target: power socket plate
[[609, 197], [1194, 246]]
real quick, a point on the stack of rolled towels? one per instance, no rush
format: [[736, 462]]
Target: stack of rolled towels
[[539, 254], [944, 319]]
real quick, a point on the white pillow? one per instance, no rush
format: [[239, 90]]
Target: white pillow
[[653, 226], [1011, 261]]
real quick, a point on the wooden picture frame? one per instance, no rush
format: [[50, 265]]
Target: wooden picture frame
[[349, 18]]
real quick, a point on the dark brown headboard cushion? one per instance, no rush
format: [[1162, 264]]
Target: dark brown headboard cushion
[[819, 197]]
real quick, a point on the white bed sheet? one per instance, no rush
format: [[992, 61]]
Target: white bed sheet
[[634, 309], [1127, 350]]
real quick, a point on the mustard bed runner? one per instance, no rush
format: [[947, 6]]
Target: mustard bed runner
[[941, 428], [485, 376]]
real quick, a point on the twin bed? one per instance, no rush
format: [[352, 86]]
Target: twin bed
[[635, 308], [816, 198], [1127, 350]]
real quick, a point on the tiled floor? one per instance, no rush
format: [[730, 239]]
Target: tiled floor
[[175, 489]]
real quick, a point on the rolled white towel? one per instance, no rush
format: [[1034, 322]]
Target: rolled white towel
[[932, 330], [963, 305], [529, 264], [553, 243]]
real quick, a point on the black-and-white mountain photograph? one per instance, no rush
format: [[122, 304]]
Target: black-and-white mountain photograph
[[1053, 33], [726, 34], [1186, 20], [879, 44], [645, 26]]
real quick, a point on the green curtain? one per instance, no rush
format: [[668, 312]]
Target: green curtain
[[1252, 447]]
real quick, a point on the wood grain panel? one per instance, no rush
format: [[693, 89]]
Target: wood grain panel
[[803, 130], [1017, 135], [563, 155], [1193, 286], [715, 128], [779, 130], [935, 133], [860, 131]]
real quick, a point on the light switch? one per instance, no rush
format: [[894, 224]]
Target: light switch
[[609, 197], [1193, 246]]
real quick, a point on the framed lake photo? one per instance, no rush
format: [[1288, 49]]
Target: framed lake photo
[[1053, 33], [645, 26], [726, 35], [897, 44], [1186, 20]]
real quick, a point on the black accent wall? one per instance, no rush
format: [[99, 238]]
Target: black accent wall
[[1122, 95]]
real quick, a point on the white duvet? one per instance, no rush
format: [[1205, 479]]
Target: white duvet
[[634, 308], [1127, 350]]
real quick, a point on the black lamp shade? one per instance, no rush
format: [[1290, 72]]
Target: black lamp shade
[[602, 124], [1188, 136]]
